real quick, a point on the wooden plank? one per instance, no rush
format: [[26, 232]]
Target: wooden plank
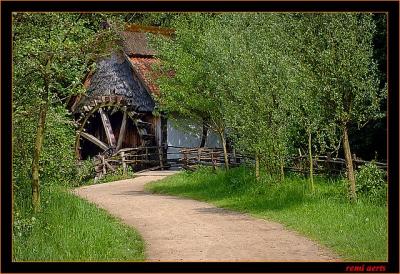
[[109, 166], [94, 140], [123, 162], [107, 128], [122, 131]]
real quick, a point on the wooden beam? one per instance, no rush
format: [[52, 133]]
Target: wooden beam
[[108, 165], [123, 162], [94, 140], [107, 127], [122, 131]]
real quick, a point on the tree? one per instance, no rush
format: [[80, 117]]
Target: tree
[[51, 54], [307, 112], [251, 73], [343, 61], [189, 92]]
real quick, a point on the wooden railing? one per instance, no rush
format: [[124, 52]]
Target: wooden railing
[[208, 156], [327, 163], [138, 158], [156, 157]]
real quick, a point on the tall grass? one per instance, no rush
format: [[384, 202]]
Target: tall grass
[[71, 229], [357, 232]]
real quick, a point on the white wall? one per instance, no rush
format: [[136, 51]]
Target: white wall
[[190, 137]]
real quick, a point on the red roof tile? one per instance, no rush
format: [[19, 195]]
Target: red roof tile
[[143, 66]]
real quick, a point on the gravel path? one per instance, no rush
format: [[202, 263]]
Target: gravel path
[[177, 229]]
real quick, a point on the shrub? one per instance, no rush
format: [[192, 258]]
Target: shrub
[[371, 183], [117, 175], [85, 171]]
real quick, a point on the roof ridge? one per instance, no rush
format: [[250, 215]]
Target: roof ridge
[[149, 29]]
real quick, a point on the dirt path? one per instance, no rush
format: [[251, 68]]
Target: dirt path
[[177, 229]]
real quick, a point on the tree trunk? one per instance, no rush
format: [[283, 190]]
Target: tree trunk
[[257, 167], [349, 164], [224, 148], [36, 154], [44, 105], [311, 162], [204, 134]]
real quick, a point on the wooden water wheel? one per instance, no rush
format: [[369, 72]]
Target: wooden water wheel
[[104, 107]]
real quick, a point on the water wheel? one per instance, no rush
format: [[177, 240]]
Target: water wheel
[[113, 143]]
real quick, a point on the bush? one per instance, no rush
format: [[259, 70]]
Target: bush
[[57, 161], [85, 171], [117, 175], [371, 183]]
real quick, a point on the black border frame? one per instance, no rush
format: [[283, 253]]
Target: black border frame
[[7, 7]]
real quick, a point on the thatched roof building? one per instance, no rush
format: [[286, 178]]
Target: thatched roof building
[[127, 73], [116, 76], [114, 119], [116, 111]]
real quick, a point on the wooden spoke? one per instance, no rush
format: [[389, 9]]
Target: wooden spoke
[[94, 140], [107, 127], [122, 131]]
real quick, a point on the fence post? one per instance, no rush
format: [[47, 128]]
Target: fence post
[[160, 156], [104, 165], [198, 155], [185, 160], [212, 158], [123, 162]]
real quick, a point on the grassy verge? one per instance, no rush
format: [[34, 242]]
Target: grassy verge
[[71, 229], [357, 232], [111, 177]]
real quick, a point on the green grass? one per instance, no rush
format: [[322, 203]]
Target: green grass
[[71, 229], [356, 232], [109, 177]]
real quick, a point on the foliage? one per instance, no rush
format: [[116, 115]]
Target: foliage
[[71, 229], [253, 80], [51, 54], [189, 91], [249, 72], [58, 162], [348, 72], [226, 69], [186, 83], [371, 183], [348, 230], [159, 19], [85, 171], [117, 175]]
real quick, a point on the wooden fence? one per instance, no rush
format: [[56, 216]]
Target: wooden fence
[[215, 157], [156, 157], [327, 164], [138, 158], [208, 156]]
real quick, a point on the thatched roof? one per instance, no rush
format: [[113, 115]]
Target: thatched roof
[[114, 76], [129, 73]]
